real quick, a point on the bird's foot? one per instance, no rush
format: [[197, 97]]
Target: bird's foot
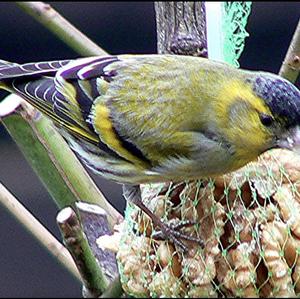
[[167, 231], [173, 233]]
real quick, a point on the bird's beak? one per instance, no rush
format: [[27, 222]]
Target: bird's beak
[[291, 140]]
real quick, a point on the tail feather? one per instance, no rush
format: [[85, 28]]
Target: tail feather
[[5, 64], [10, 70], [36, 83]]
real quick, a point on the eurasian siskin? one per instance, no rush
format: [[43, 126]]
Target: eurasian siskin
[[150, 118]]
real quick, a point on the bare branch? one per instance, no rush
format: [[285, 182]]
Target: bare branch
[[181, 28], [95, 224], [95, 281], [291, 65], [38, 230]]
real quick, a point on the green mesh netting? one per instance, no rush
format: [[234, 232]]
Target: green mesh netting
[[248, 220], [233, 27]]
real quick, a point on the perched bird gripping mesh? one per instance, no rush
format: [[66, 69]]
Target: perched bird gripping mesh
[[249, 221]]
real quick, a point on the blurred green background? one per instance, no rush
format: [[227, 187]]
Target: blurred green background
[[26, 269]]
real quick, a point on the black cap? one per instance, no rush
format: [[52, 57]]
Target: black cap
[[281, 96]]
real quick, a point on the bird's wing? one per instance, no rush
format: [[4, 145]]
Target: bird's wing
[[66, 92], [58, 89]]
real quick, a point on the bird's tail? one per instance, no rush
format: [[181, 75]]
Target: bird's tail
[[36, 83], [4, 65], [30, 81]]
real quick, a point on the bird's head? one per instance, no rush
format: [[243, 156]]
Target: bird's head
[[261, 112], [283, 100]]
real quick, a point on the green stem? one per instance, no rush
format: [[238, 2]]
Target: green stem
[[54, 162], [114, 290]]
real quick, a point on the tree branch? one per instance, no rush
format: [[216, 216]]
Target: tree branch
[[291, 65], [114, 290], [38, 230], [181, 28], [52, 159], [94, 279], [94, 223]]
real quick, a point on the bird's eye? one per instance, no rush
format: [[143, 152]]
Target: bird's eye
[[266, 120]]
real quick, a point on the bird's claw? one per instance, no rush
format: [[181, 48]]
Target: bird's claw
[[173, 233]]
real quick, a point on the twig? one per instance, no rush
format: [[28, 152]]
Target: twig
[[64, 30], [114, 290], [181, 28], [290, 67], [94, 223], [94, 279], [53, 160], [38, 231]]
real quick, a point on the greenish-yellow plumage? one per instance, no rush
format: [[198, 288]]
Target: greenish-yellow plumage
[[150, 118]]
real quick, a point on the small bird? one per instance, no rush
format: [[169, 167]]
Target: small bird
[[154, 118]]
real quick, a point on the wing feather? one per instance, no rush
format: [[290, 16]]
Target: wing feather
[[66, 91]]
